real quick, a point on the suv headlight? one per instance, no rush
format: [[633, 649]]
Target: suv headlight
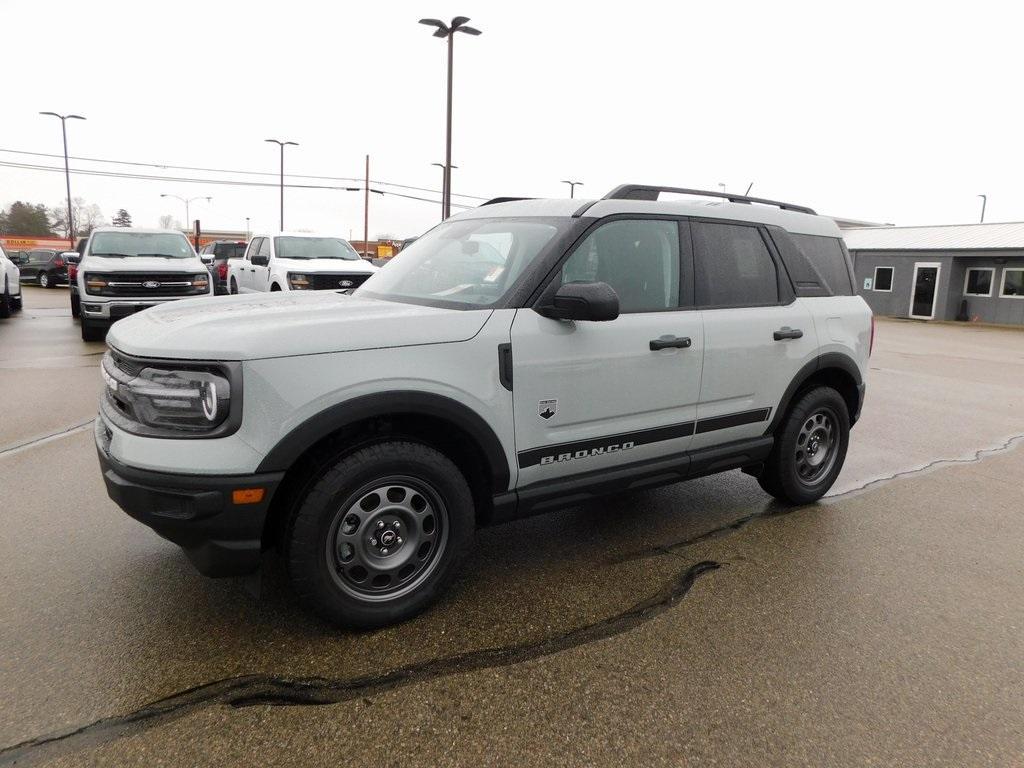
[[164, 399], [298, 282]]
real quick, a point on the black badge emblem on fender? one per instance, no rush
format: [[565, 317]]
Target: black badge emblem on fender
[[547, 408], [345, 283]]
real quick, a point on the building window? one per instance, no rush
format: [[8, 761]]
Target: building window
[[883, 279], [1013, 284], [978, 282]]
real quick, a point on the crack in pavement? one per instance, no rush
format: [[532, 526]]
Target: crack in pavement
[[65, 432], [253, 690], [979, 455]]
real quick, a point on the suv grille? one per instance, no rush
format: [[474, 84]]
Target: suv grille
[[141, 284], [129, 368], [337, 281]]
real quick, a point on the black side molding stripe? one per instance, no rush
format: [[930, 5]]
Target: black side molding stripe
[[505, 365], [609, 444], [732, 420], [615, 443]]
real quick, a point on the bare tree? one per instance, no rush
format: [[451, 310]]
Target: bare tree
[[169, 222], [88, 216]]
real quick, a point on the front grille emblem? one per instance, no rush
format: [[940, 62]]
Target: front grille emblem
[[151, 284], [345, 283]]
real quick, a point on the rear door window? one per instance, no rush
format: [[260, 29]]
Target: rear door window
[[732, 266], [829, 258]]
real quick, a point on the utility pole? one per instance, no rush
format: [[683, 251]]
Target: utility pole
[[572, 187], [366, 211], [282, 144], [445, 176], [67, 173]]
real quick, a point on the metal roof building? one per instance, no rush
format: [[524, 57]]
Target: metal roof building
[[945, 272]]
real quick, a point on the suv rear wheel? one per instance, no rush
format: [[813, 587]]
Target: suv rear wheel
[[810, 448], [92, 332], [5, 302], [45, 281], [380, 535]]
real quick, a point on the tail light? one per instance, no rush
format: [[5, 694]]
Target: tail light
[[871, 346], [72, 271], [58, 262], [222, 270]]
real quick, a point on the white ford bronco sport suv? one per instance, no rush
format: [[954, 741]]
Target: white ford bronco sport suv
[[127, 269], [521, 356], [297, 261]]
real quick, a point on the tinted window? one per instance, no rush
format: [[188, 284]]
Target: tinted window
[[732, 266], [883, 278], [264, 247], [639, 259], [827, 256], [254, 246], [979, 281], [1013, 282], [228, 250]]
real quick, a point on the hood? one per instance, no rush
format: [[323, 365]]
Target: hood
[[285, 323], [357, 266], [141, 264]]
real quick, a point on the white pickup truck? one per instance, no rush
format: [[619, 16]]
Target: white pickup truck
[[293, 261]]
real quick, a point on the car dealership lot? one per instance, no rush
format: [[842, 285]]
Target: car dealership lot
[[695, 622]]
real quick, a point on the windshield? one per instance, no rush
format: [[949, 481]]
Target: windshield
[[167, 244], [314, 248], [463, 263]]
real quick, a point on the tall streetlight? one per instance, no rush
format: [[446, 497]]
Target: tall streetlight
[[187, 201], [444, 177], [366, 210], [247, 229], [67, 173], [572, 187], [984, 202], [458, 24], [282, 144]]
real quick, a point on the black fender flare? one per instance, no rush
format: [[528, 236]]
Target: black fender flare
[[838, 360], [395, 403]]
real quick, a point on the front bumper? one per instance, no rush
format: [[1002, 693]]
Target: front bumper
[[109, 310], [196, 512]]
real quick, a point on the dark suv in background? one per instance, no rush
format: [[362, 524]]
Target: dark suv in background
[[222, 250], [43, 267]]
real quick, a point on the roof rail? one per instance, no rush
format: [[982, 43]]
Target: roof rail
[[648, 192], [496, 200]]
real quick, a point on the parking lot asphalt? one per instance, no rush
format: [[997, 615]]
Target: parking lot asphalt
[[695, 624]]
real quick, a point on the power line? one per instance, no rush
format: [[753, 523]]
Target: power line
[[223, 182], [237, 171]]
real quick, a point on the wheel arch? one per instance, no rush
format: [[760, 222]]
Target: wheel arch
[[832, 369], [436, 420]]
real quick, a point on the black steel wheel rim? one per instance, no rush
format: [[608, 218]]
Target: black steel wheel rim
[[387, 538], [817, 446]]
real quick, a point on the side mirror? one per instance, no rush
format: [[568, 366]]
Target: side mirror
[[260, 261], [71, 257], [206, 258], [583, 301]]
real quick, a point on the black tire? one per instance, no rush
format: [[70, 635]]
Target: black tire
[[234, 287], [92, 332], [5, 303], [275, 287], [810, 448], [76, 306], [16, 303], [334, 532]]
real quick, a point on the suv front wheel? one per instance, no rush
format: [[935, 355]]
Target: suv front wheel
[[810, 448], [380, 534]]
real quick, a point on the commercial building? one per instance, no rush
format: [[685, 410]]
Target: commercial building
[[969, 272]]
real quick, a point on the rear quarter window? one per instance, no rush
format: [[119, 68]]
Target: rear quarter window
[[829, 258]]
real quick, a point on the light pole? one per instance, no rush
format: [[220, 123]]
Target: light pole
[[984, 202], [246, 229], [445, 173], [67, 173], [366, 209], [186, 201], [572, 187], [282, 144], [458, 24]]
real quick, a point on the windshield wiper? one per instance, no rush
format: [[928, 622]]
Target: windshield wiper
[[116, 255], [162, 255]]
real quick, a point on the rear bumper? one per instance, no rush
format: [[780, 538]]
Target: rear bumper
[[861, 389], [193, 511]]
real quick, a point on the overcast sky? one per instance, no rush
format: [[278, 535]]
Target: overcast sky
[[890, 112]]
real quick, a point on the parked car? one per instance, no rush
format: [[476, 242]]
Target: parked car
[[128, 269], [600, 346], [72, 262], [222, 251], [10, 285], [44, 267], [292, 261]]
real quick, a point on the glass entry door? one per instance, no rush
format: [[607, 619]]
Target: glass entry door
[[925, 290]]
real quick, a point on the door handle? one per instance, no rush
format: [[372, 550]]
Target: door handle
[[665, 342], [788, 333]]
